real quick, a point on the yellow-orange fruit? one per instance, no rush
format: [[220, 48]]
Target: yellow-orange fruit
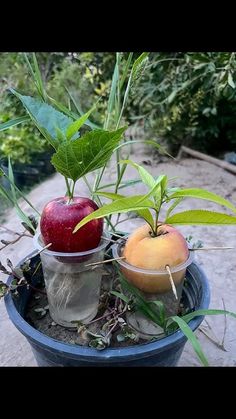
[[144, 251]]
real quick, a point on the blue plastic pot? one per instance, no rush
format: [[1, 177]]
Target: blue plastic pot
[[163, 352]]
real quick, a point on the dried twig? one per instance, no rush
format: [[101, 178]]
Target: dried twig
[[218, 344], [102, 317], [109, 240], [10, 242], [44, 248], [104, 261], [225, 325]]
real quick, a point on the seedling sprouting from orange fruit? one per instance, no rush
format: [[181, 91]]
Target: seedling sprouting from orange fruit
[[158, 244]]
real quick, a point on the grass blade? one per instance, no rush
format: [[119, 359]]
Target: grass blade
[[14, 122], [80, 111], [38, 78], [121, 296], [192, 339], [206, 312]]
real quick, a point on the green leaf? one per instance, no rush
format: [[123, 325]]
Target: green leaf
[[149, 142], [79, 110], [230, 80], [202, 194], [171, 97], [146, 214], [138, 64], [112, 94], [76, 158], [60, 135], [23, 217], [192, 338], [119, 206], [172, 207], [143, 213], [121, 296], [63, 109], [127, 183], [75, 126], [19, 211], [201, 217], [45, 117], [110, 195], [13, 122], [161, 309], [127, 65], [15, 189], [158, 188], [145, 176], [6, 195], [206, 312], [38, 77], [11, 179]]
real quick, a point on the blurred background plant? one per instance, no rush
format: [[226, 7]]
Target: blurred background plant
[[182, 98], [189, 99]]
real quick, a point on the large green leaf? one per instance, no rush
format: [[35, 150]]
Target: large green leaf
[[13, 122], [143, 213], [192, 338], [201, 217], [145, 176], [76, 158], [119, 206], [45, 117], [202, 194]]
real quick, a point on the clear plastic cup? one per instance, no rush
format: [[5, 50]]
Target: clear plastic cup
[[73, 289], [155, 284]]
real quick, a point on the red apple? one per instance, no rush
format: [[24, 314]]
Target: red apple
[[59, 219]]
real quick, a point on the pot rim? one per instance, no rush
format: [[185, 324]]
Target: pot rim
[[38, 244], [112, 354], [173, 269]]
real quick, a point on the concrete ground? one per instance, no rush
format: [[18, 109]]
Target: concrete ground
[[219, 265]]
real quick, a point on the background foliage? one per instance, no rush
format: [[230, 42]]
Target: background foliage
[[184, 98]]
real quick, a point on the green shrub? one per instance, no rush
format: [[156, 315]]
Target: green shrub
[[190, 98]]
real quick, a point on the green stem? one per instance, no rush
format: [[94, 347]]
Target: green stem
[[98, 201], [73, 190], [68, 188], [156, 222]]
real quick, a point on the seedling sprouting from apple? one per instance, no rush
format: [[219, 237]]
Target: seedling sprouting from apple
[[75, 156], [158, 244]]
